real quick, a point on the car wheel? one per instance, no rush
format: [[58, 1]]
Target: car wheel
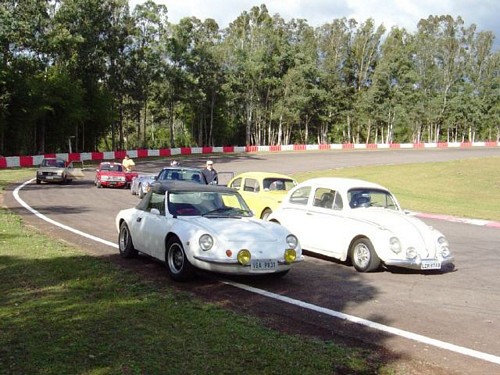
[[265, 214], [363, 256], [141, 192], [178, 265], [125, 244], [38, 182]]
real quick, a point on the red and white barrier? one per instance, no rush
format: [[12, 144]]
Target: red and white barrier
[[35, 160]]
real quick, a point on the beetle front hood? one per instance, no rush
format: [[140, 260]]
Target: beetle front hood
[[396, 221], [241, 229]]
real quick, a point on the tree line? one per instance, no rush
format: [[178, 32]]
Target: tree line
[[94, 75]]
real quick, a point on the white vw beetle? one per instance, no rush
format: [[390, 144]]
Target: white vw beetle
[[361, 222], [189, 225]]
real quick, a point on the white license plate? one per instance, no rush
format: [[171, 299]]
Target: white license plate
[[430, 265], [263, 265], [50, 177]]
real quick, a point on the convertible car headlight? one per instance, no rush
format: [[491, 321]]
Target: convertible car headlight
[[290, 256], [206, 242], [444, 245], [395, 245], [244, 257], [292, 241]]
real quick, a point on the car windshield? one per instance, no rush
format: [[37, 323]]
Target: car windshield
[[208, 204], [371, 198], [53, 163], [181, 175]]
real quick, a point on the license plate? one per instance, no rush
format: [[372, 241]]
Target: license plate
[[430, 265], [50, 177], [263, 265]]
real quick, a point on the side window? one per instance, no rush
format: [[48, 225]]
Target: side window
[[157, 201], [251, 184], [300, 196], [236, 184], [324, 198]]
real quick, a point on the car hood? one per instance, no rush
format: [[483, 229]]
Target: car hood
[[51, 169], [246, 229], [396, 221], [112, 173]]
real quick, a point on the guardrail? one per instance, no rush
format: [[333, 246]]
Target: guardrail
[[35, 160]]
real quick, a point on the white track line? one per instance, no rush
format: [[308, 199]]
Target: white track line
[[336, 314]]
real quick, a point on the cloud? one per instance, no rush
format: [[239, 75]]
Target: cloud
[[402, 13]]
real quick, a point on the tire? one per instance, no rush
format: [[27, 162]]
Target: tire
[[363, 256], [38, 182], [141, 192], [125, 244], [265, 214], [178, 266]]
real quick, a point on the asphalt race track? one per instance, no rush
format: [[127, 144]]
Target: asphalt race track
[[446, 319]]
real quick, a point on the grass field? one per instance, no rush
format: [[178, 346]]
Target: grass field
[[64, 312]]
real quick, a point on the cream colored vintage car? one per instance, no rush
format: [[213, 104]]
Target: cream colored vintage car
[[361, 222], [57, 170], [263, 191]]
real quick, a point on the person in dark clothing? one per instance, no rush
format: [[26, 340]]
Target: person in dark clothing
[[210, 173]]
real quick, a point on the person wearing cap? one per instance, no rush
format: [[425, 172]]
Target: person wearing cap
[[210, 173], [128, 164]]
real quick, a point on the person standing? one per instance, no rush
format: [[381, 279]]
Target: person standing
[[128, 164], [210, 173]]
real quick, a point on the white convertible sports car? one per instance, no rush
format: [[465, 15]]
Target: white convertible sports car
[[189, 225], [361, 222]]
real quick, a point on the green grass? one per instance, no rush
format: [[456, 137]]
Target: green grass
[[64, 312], [465, 188]]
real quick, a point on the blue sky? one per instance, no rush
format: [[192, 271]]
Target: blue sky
[[485, 14]]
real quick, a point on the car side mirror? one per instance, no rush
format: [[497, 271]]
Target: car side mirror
[[155, 211]]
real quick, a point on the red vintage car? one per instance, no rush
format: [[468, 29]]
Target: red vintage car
[[112, 174]]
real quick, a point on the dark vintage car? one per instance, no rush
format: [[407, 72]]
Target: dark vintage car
[[142, 183]]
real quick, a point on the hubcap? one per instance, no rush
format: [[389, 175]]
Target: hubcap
[[176, 258], [362, 255]]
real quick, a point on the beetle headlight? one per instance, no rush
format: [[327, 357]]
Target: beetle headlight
[[292, 241], [444, 245], [244, 257], [395, 245], [206, 242], [290, 256]]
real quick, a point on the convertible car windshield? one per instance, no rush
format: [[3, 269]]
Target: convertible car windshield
[[207, 204]]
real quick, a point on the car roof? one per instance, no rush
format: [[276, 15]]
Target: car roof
[[179, 168], [184, 186], [342, 183], [263, 175]]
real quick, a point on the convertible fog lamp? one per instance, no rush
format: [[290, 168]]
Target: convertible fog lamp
[[411, 253], [290, 256], [445, 249], [292, 241], [206, 242], [244, 257], [395, 245]]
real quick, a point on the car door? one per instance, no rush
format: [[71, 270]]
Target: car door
[[325, 222], [151, 226]]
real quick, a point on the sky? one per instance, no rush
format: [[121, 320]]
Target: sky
[[485, 14]]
